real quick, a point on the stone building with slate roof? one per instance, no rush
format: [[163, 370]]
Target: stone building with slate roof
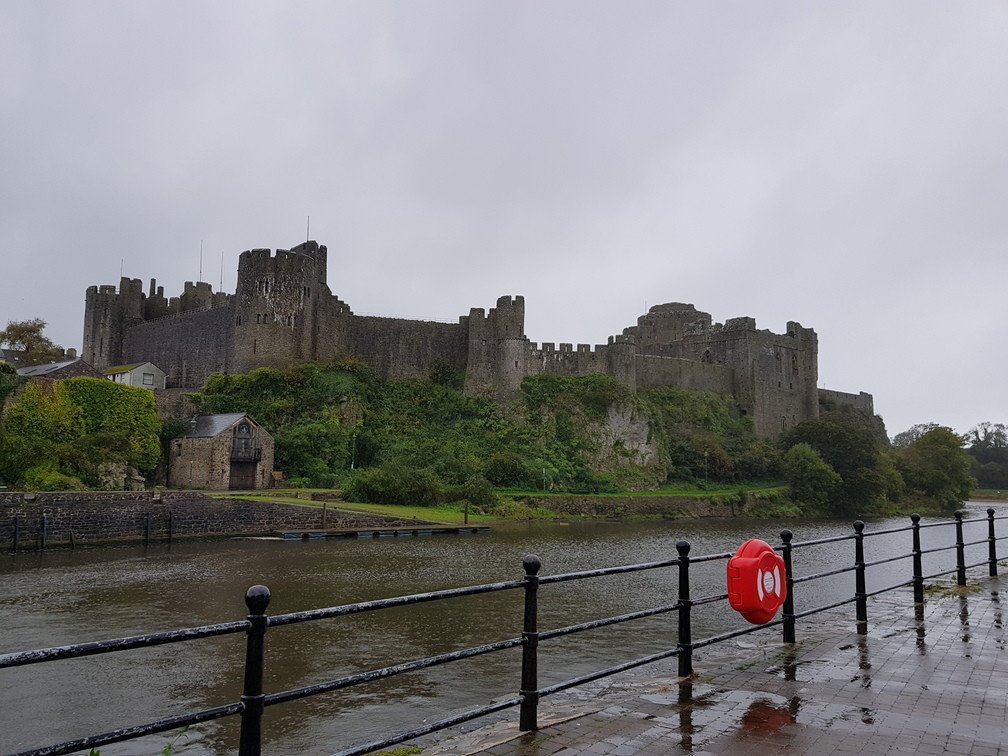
[[220, 453], [66, 369]]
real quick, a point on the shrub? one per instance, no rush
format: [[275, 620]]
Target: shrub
[[811, 478], [507, 469], [44, 478], [395, 484]]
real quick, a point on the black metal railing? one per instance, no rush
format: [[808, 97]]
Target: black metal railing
[[253, 700]]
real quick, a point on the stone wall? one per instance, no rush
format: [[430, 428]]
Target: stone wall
[[104, 517], [862, 402], [188, 347], [398, 348]]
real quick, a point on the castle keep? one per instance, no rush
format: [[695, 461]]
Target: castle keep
[[283, 312]]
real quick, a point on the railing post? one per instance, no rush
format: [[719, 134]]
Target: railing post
[[528, 713], [789, 635], [918, 569], [991, 544], [17, 532], [685, 635], [859, 579], [960, 549], [257, 598]]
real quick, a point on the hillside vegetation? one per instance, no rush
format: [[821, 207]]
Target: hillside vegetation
[[425, 442]]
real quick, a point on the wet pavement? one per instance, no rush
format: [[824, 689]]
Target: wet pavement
[[929, 680]]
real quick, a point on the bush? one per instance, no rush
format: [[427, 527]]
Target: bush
[[44, 478], [507, 469], [395, 484], [811, 478]]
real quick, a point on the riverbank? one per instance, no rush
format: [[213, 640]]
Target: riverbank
[[926, 682]]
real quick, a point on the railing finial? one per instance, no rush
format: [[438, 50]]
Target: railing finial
[[257, 598], [532, 564]]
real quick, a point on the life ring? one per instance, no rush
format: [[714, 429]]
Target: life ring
[[757, 584]]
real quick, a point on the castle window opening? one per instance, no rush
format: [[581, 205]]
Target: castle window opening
[[794, 363], [257, 319], [255, 343], [516, 363]]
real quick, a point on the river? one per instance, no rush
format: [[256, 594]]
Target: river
[[62, 597]]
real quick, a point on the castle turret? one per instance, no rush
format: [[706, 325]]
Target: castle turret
[[277, 305], [107, 316]]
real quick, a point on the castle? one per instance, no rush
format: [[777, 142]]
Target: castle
[[283, 312]]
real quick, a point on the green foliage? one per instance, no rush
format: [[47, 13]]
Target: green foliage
[[508, 469], [26, 336], [811, 478], [112, 408], [394, 484], [988, 450], [937, 467], [850, 443], [703, 434], [46, 478], [60, 433], [592, 394], [45, 411]]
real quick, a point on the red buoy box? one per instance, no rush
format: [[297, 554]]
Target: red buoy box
[[757, 583]]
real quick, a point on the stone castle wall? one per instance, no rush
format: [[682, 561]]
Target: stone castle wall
[[283, 312]]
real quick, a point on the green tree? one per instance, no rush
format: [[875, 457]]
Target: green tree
[[26, 336], [911, 435], [811, 478], [937, 467], [850, 443]]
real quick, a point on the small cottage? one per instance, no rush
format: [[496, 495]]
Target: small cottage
[[221, 452], [140, 374]]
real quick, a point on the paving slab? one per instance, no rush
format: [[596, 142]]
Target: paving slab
[[923, 680]]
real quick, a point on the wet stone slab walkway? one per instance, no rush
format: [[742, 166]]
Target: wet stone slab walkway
[[930, 681]]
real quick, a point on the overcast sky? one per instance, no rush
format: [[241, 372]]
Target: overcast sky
[[844, 165]]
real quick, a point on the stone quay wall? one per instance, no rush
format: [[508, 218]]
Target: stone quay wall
[[74, 518]]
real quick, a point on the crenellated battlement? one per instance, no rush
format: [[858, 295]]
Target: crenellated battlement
[[283, 312]]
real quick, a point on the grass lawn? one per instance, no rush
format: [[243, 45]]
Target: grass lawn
[[448, 514], [989, 494], [711, 489]]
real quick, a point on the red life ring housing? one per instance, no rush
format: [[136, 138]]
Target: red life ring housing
[[757, 583]]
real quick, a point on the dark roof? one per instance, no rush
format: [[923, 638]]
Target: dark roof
[[208, 426], [50, 367]]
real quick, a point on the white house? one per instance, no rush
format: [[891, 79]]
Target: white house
[[140, 374]]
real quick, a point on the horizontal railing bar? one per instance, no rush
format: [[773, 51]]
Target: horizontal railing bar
[[712, 557], [387, 603], [834, 605], [128, 733], [22, 658], [976, 519], [709, 600], [591, 677], [984, 563], [936, 524], [819, 541], [887, 559], [838, 571], [602, 571], [890, 588], [605, 622], [939, 548], [887, 531], [974, 543], [735, 633], [390, 671], [940, 574], [442, 724]]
